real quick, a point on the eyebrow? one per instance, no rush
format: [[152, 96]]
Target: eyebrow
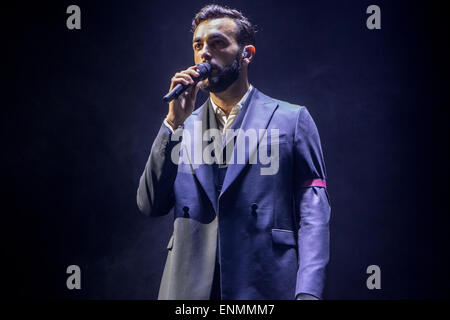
[[212, 36]]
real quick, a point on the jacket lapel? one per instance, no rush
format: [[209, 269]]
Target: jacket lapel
[[257, 116], [204, 172]]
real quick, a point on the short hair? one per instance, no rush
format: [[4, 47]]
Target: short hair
[[246, 31]]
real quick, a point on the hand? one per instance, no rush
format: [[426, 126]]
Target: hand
[[181, 108], [306, 296]]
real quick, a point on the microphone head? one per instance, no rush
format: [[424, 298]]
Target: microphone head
[[204, 69]]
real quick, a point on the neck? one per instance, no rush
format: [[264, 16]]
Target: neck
[[227, 99]]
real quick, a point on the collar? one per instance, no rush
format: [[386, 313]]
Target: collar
[[238, 105]]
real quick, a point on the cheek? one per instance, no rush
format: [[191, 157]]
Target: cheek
[[228, 58], [222, 60]]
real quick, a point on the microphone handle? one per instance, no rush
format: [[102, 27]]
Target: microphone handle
[[204, 69], [180, 88], [176, 92]]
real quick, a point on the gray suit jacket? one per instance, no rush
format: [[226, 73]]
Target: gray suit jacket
[[271, 230]]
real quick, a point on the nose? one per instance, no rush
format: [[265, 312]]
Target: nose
[[205, 55]]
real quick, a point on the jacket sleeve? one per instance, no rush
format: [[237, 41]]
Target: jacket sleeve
[[155, 195], [312, 207]]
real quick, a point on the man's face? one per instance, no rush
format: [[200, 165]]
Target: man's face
[[214, 42]]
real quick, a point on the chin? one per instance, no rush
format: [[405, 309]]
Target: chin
[[206, 85]]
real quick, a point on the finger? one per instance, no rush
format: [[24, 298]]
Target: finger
[[185, 76], [194, 90], [193, 73], [174, 83], [192, 68], [177, 80]]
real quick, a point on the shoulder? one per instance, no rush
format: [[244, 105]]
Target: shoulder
[[283, 106], [294, 116], [287, 112]]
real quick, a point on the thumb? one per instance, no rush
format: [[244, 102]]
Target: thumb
[[194, 90]]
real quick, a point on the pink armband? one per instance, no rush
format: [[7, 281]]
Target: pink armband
[[314, 183]]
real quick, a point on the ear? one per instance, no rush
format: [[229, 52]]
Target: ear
[[248, 53]]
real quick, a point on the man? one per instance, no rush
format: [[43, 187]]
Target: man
[[241, 230]]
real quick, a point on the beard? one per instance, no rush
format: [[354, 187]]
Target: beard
[[224, 77]]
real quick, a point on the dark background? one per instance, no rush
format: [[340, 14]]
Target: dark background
[[81, 109]]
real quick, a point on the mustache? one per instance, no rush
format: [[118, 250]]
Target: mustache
[[219, 68], [215, 66]]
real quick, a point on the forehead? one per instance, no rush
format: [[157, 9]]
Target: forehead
[[225, 26]]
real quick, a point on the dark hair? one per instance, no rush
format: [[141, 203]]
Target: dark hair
[[246, 31]]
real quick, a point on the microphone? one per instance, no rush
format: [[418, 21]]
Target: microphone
[[203, 68]]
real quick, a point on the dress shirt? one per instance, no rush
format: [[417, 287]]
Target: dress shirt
[[223, 122]]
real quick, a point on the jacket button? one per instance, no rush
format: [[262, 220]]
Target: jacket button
[[254, 206], [186, 211]]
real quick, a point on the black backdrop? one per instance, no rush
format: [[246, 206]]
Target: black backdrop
[[81, 109]]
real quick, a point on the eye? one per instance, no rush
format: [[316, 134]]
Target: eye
[[219, 42], [197, 46]]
